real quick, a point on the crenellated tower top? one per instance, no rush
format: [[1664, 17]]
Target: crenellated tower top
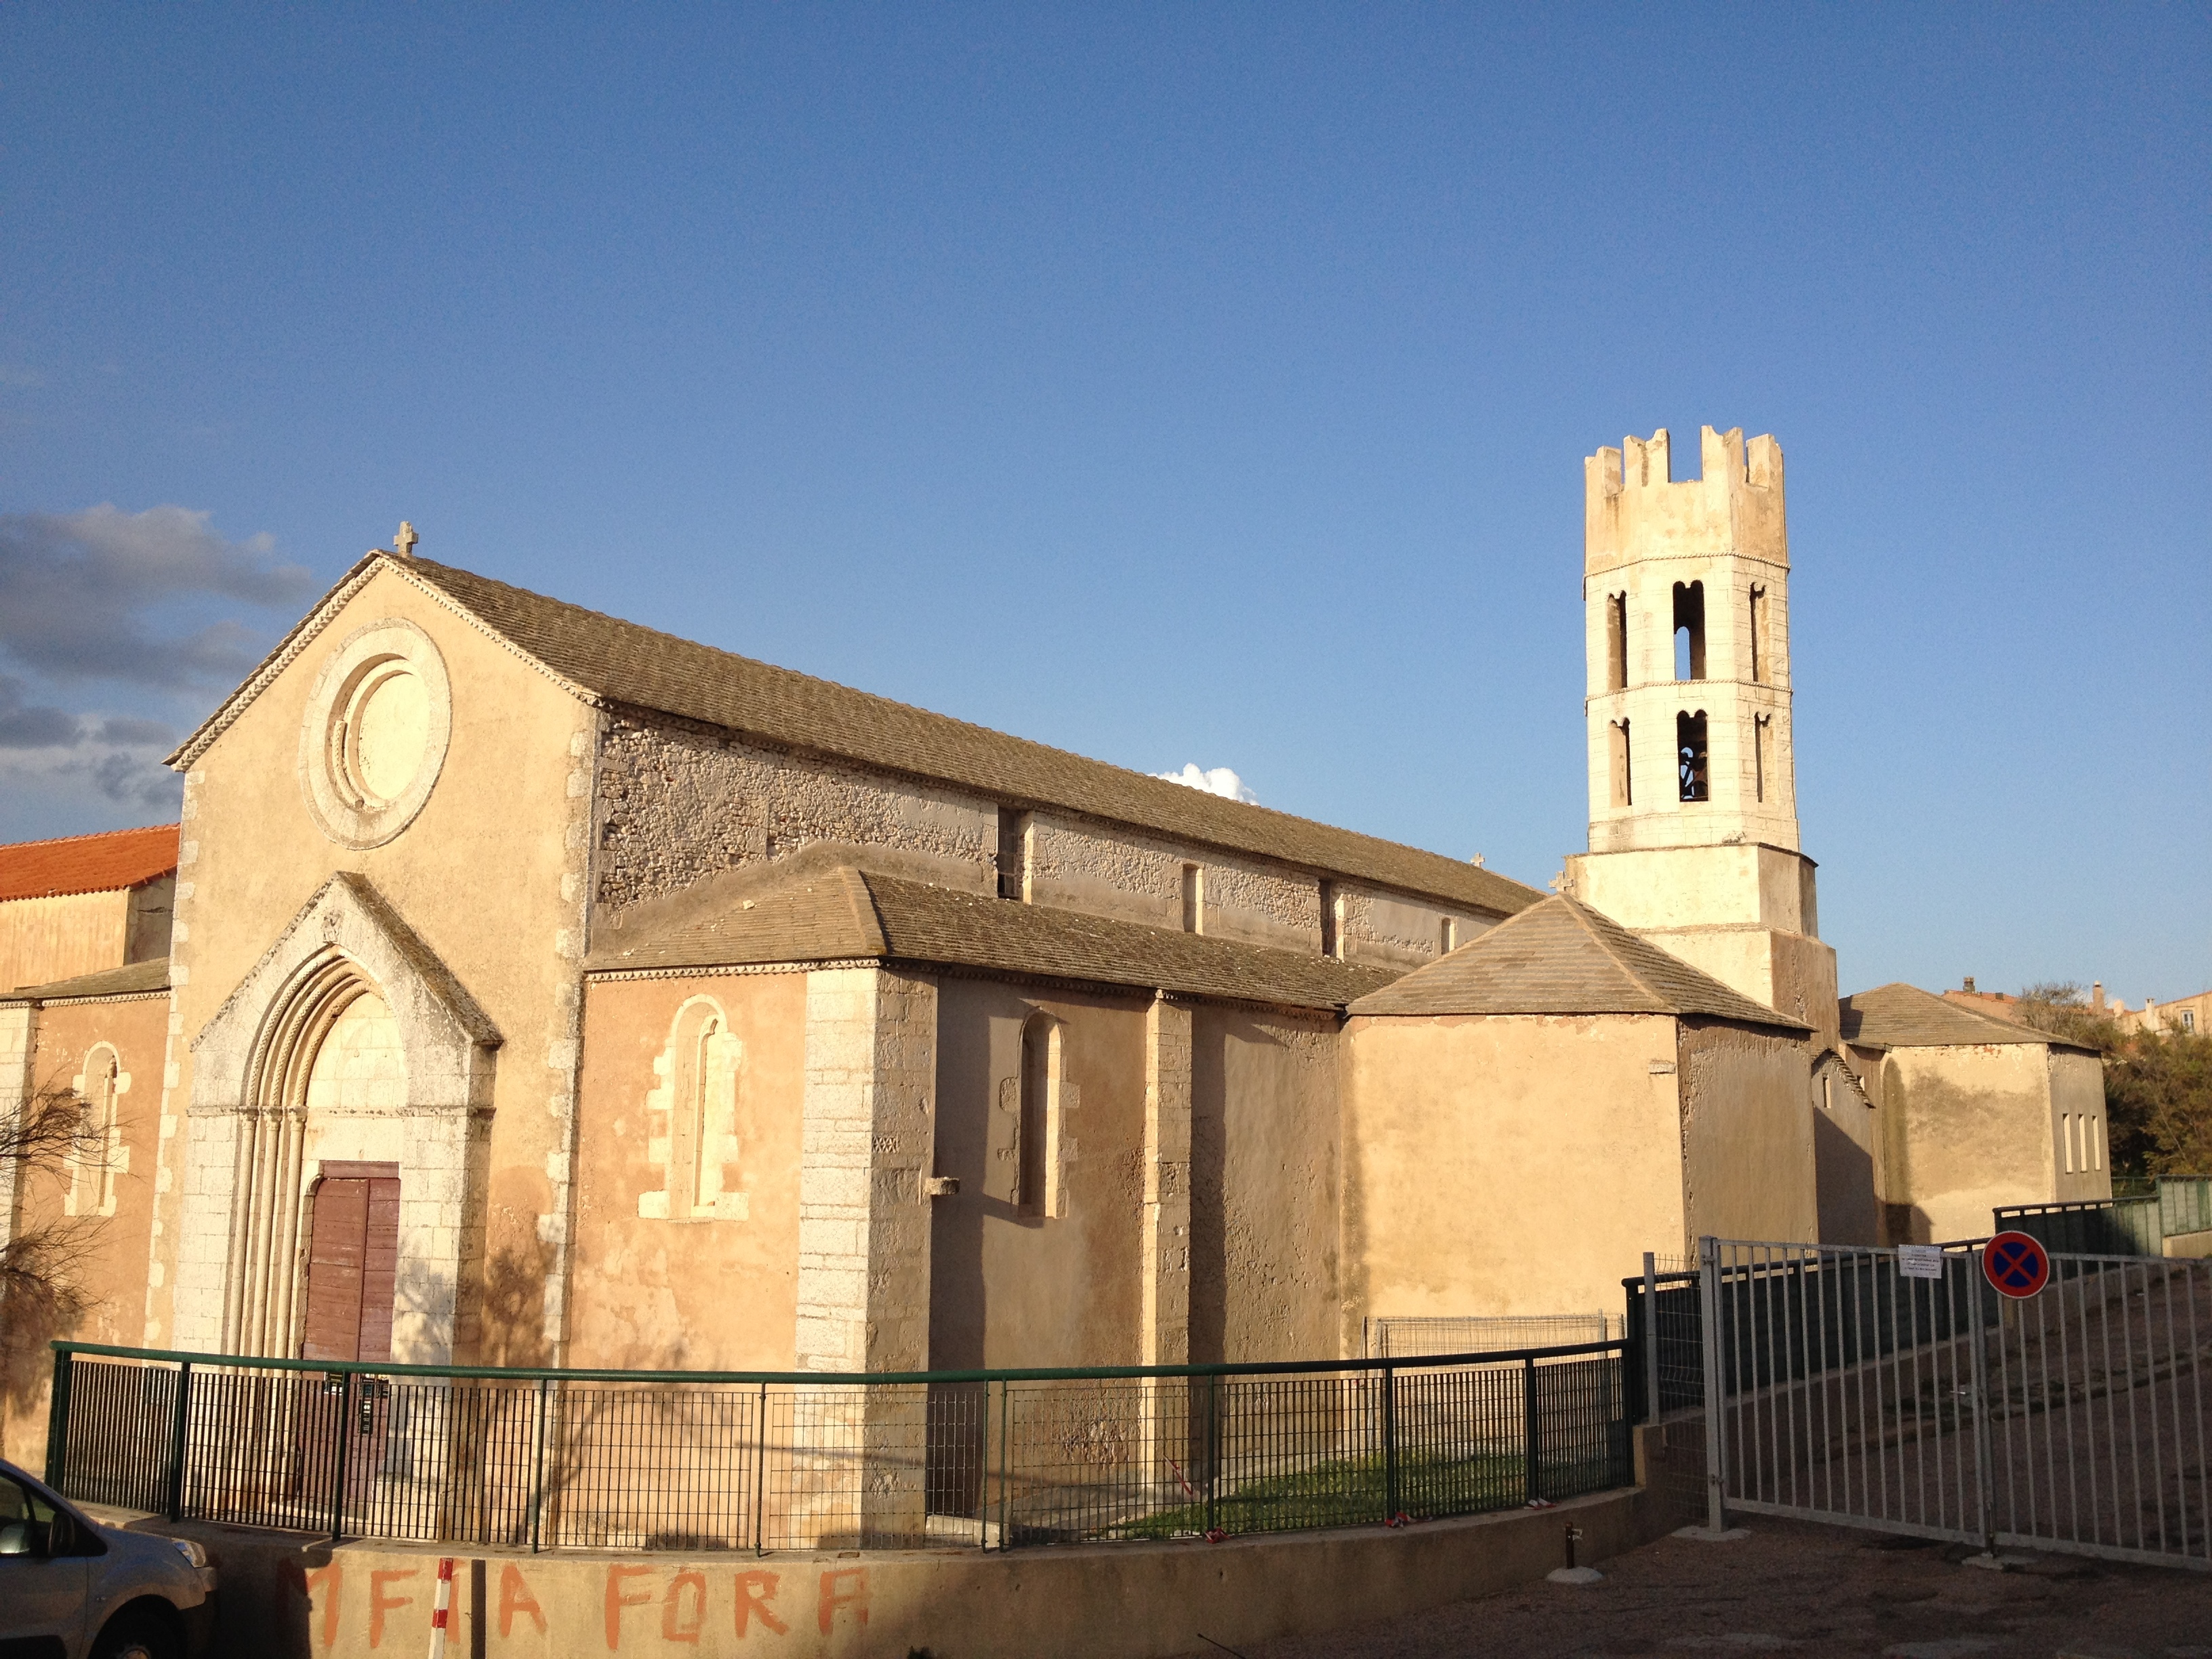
[[1634, 508]]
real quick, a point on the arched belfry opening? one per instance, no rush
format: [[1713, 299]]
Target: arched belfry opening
[[340, 1122]]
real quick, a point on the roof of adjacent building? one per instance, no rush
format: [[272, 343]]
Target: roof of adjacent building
[[133, 979], [1560, 957], [87, 863], [1899, 1016], [611, 661], [836, 912]]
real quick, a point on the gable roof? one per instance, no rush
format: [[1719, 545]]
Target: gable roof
[[87, 863], [133, 979], [1560, 957], [1900, 1016], [611, 662], [836, 912]]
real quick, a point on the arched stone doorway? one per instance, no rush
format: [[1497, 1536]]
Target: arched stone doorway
[[349, 1054]]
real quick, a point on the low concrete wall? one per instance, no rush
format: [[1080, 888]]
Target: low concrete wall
[[2190, 1245], [285, 1599]]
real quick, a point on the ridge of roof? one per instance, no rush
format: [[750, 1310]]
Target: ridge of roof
[[605, 660], [102, 862], [1561, 957], [849, 914], [132, 979], [1901, 1016]]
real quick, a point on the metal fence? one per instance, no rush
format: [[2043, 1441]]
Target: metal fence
[[2100, 1226], [1836, 1388], [2141, 1214], [610, 1460], [1401, 1337]]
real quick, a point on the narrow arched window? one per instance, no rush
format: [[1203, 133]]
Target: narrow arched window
[[1034, 1135], [91, 1181], [1762, 742], [1624, 788], [1689, 745], [1759, 650], [1616, 642]]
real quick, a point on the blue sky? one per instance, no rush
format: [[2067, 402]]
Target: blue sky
[[1174, 384]]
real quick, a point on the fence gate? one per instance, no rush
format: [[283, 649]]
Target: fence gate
[[1841, 1387]]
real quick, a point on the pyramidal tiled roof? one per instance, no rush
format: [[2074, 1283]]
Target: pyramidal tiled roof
[[1900, 1016], [819, 912], [624, 663], [1560, 957]]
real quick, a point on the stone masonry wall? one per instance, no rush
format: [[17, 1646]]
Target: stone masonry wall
[[675, 804], [1078, 865]]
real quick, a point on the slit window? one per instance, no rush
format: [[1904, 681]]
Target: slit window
[[1332, 921], [1689, 745], [1446, 936], [1616, 642], [1011, 857], [1193, 899], [1758, 653], [1762, 740], [1624, 790], [1035, 1086], [1689, 630]]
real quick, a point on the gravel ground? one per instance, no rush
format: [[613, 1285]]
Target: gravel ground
[[1811, 1592]]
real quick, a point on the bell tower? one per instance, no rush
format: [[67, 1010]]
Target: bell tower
[[1692, 777]]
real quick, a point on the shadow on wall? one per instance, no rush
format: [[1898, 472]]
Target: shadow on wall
[[50, 1255], [1850, 1212]]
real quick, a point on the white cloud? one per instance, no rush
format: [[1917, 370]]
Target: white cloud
[[79, 591], [1219, 781]]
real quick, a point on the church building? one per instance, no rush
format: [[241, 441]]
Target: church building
[[542, 988]]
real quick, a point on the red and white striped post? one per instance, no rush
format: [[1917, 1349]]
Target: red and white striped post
[[441, 1610]]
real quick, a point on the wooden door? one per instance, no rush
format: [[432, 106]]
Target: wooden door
[[353, 1262], [353, 1268]]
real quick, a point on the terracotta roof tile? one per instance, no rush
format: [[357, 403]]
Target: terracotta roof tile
[[1899, 1016], [842, 913], [1560, 957], [623, 663], [87, 864]]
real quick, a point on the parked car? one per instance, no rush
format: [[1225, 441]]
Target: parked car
[[72, 1588]]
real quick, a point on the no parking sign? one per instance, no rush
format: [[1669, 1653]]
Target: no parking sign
[[2017, 1265]]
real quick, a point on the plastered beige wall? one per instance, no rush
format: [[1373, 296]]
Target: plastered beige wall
[[1015, 1288], [108, 1211], [504, 912], [2077, 1093], [717, 1292], [1265, 1173], [1747, 1158], [1967, 1129], [44, 940], [1847, 1152], [1452, 1125]]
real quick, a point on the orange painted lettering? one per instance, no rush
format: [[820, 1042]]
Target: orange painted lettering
[[331, 1578], [672, 1629], [837, 1593], [514, 1598], [755, 1591], [617, 1600], [380, 1603]]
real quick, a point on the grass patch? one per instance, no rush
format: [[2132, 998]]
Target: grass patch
[[1345, 1492]]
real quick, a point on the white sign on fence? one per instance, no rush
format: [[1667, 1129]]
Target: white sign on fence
[[1920, 1261]]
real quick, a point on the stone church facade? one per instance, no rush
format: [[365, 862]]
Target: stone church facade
[[542, 988]]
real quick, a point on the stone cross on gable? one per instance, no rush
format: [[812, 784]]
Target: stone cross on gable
[[404, 543]]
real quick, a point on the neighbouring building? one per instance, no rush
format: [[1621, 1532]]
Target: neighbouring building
[[85, 904], [545, 989]]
